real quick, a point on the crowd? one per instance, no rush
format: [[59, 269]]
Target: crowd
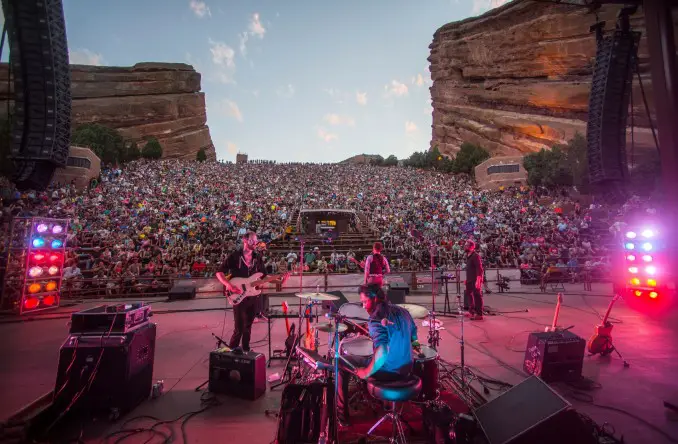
[[151, 219]]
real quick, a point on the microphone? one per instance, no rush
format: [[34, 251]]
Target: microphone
[[386, 322]]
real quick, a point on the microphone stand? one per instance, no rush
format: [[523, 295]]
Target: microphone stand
[[433, 333]]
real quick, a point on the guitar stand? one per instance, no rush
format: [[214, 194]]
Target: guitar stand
[[277, 355], [609, 348]]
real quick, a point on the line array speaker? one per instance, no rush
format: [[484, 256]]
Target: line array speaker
[[41, 127], [616, 56]]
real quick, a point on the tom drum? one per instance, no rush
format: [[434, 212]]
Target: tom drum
[[426, 368]]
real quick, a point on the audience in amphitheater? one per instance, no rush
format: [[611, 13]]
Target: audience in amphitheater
[[150, 220]]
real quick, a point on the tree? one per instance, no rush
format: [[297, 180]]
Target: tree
[[152, 149], [201, 155], [106, 142], [468, 158], [377, 160], [578, 162], [133, 152], [391, 161], [548, 168]]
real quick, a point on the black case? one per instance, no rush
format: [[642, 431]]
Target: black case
[[554, 356], [300, 418], [242, 375]]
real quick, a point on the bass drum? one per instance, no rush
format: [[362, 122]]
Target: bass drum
[[426, 368], [358, 350]]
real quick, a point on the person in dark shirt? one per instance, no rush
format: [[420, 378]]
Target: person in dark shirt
[[376, 266], [474, 281], [243, 263], [393, 333]]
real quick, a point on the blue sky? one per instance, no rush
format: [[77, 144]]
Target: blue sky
[[304, 80]]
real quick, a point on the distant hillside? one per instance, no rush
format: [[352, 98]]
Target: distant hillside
[[361, 159]]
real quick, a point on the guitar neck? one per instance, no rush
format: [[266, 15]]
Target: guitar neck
[[609, 309]]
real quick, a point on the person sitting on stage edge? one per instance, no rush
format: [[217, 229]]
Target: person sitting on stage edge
[[376, 266], [243, 263], [474, 281], [393, 333]]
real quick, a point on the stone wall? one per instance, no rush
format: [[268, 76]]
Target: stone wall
[[81, 175], [493, 181], [517, 79], [162, 100]]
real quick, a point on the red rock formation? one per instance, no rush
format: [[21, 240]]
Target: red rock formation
[[162, 100], [517, 78]]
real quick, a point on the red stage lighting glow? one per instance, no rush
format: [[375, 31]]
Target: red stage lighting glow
[[638, 293], [635, 281], [652, 282], [31, 303], [38, 257], [654, 294], [54, 257], [49, 300]]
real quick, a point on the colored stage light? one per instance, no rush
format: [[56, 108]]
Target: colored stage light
[[638, 293], [647, 246], [38, 242], [41, 228], [631, 234], [647, 233], [57, 229], [630, 246], [630, 257], [51, 286], [54, 257], [633, 270], [31, 303], [38, 257], [651, 282], [49, 300], [654, 294], [647, 258], [56, 243], [53, 270], [635, 281], [34, 288], [35, 272], [651, 270]]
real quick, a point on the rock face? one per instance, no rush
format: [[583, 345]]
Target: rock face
[[162, 100], [517, 79]]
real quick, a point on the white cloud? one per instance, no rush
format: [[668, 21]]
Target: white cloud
[[199, 8], [231, 148], [336, 119], [327, 137], [410, 127], [231, 109], [396, 89], [255, 27], [243, 38], [287, 91], [223, 56], [361, 98], [85, 57], [480, 6], [418, 80]]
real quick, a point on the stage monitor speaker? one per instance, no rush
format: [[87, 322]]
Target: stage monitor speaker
[[531, 412], [182, 290], [611, 83], [41, 132], [334, 305], [396, 295], [555, 356], [242, 375], [123, 366]]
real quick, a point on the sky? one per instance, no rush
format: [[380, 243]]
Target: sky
[[293, 80]]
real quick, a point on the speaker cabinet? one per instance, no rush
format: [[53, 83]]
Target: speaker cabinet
[[182, 290]]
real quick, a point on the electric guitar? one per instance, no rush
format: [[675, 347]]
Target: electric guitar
[[309, 340], [554, 324], [601, 341], [291, 333], [360, 264], [249, 287]]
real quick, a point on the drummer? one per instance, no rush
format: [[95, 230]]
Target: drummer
[[393, 333]]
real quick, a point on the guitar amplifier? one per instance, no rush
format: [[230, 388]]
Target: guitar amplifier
[[242, 375], [554, 356]]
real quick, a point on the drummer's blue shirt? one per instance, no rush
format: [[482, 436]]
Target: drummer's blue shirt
[[397, 336]]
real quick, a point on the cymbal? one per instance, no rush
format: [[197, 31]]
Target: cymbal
[[317, 296], [417, 311], [330, 328]]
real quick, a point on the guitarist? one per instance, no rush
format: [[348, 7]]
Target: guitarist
[[243, 263], [376, 266]]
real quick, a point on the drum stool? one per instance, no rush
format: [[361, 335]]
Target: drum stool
[[394, 392]]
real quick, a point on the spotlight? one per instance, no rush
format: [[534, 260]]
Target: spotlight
[[633, 270], [647, 258], [31, 303], [651, 270], [34, 288], [38, 242], [38, 257], [647, 233], [651, 283], [49, 300], [638, 293], [51, 286], [630, 257], [35, 272], [654, 294], [647, 246], [57, 229], [631, 234], [53, 270], [54, 257], [41, 228], [56, 243], [630, 246], [635, 281]]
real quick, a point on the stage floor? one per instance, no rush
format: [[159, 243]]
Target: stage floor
[[495, 347]]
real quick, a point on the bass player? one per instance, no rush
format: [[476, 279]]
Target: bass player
[[243, 263]]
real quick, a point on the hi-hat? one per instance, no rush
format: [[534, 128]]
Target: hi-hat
[[317, 296], [417, 311], [330, 328]]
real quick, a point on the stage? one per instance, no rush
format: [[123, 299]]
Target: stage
[[494, 347]]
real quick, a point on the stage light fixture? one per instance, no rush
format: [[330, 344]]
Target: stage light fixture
[[41, 228], [647, 246], [38, 257], [630, 257], [647, 233], [51, 286], [35, 272], [638, 293], [651, 282], [654, 294], [57, 229], [630, 246], [647, 258], [31, 303], [651, 270], [633, 270], [54, 257], [53, 270], [38, 242], [56, 243], [635, 281], [631, 234], [49, 300], [34, 288]]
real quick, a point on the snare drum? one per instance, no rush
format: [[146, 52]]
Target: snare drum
[[355, 312], [426, 368], [358, 349]]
